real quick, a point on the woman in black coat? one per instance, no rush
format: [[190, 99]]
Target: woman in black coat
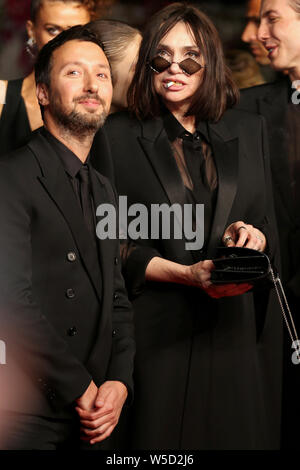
[[206, 376]]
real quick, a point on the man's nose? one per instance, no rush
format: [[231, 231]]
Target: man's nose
[[263, 32], [91, 83]]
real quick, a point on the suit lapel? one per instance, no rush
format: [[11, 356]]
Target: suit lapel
[[226, 154], [157, 148], [55, 182]]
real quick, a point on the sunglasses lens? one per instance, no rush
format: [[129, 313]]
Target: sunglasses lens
[[159, 64], [190, 66]]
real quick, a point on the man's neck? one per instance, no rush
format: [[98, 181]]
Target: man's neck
[[294, 74], [80, 146]]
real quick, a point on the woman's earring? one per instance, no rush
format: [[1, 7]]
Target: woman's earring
[[31, 47]]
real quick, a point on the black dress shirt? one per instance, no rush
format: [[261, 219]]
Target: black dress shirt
[[194, 158], [74, 167]]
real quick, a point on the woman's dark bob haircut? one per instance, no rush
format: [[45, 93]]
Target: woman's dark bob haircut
[[217, 91]]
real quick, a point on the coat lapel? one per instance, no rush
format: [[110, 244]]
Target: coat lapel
[[55, 182], [226, 154], [157, 148]]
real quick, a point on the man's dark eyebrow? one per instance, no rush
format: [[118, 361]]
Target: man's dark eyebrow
[[102, 66]]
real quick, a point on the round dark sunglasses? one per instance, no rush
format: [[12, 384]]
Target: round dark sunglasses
[[189, 66]]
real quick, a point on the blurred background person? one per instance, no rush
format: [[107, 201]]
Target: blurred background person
[[121, 44], [257, 49], [244, 68], [20, 115]]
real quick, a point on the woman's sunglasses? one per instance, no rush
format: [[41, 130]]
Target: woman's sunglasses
[[189, 66]]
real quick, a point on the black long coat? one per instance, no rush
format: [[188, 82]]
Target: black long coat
[[62, 323], [206, 376]]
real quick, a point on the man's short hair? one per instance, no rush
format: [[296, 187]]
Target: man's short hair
[[43, 64]]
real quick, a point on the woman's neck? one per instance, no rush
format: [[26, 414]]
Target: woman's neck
[[188, 122]]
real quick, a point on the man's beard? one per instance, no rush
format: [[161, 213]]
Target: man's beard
[[76, 123]]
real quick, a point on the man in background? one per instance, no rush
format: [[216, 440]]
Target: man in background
[[279, 32], [257, 49]]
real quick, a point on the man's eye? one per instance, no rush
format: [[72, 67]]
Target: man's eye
[[102, 75], [272, 19], [73, 73]]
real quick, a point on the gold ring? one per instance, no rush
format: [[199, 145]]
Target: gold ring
[[226, 239]]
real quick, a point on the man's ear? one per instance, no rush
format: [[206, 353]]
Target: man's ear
[[42, 94]]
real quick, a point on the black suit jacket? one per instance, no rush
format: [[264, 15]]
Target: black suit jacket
[[271, 101], [202, 365], [49, 289]]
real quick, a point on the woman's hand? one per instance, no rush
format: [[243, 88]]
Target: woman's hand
[[244, 235], [199, 276]]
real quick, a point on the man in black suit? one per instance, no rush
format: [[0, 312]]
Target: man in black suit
[[65, 317], [279, 31]]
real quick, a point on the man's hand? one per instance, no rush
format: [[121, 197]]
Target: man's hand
[[87, 400], [99, 422]]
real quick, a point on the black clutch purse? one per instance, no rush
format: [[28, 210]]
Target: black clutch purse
[[237, 264]]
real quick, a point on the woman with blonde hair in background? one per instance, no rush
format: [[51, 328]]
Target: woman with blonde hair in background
[[121, 43]]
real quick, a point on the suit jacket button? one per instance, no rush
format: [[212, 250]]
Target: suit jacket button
[[71, 256], [114, 332], [72, 331], [116, 261], [116, 296], [70, 293]]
